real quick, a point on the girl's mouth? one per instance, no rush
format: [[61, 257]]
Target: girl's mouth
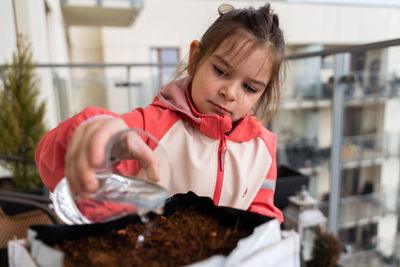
[[220, 109]]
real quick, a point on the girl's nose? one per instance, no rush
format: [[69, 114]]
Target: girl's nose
[[229, 91]]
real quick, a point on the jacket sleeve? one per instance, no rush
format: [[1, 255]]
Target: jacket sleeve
[[263, 203], [50, 153]]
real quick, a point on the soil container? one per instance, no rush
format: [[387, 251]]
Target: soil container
[[190, 230]]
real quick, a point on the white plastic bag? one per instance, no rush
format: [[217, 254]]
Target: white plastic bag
[[268, 246]]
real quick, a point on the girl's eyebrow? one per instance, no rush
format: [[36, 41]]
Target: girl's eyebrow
[[223, 61], [262, 84], [226, 63]]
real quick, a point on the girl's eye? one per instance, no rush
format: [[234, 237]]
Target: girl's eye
[[219, 71], [249, 88]]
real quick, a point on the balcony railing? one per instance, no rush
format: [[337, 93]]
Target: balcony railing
[[359, 218], [312, 75], [308, 146], [356, 151], [361, 209], [323, 90]]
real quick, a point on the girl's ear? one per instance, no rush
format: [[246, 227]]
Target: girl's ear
[[193, 54]]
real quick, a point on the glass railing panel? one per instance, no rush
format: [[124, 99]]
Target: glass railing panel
[[374, 74], [129, 88], [304, 154], [309, 79], [367, 258], [80, 2], [362, 208], [362, 219], [363, 147], [116, 88], [392, 144], [77, 88]]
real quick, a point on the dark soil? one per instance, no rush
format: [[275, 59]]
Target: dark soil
[[185, 237]]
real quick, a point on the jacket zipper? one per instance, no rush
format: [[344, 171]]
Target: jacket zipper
[[220, 175]]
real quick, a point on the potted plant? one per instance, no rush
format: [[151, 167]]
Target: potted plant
[[326, 250], [21, 119]]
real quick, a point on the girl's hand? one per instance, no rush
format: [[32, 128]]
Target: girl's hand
[[87, 148]]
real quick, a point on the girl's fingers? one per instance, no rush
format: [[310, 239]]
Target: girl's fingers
[[71, 162], [99, 141], [87, 148], [80, 170], [139, 150], [81, 177], [85, 170], [130, 146], [151, 167], [87, 176]]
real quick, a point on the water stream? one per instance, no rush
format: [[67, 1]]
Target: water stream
[[149, 224]]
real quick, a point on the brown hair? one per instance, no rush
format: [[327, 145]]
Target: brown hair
[[258, 26]]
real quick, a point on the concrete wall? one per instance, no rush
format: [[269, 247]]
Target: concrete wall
[[88, 86], [59, 52], [7, 29], [32, 23], [337, 24]]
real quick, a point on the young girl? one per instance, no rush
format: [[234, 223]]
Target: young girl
[[217, 148]]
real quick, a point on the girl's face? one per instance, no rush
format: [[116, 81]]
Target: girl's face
[[229, 82]]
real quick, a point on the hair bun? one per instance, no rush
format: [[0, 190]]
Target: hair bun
[[225, 8]]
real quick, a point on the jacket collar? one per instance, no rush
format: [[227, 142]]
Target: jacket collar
[[176, 96]]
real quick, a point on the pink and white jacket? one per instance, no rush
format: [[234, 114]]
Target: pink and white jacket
[[235, 167]]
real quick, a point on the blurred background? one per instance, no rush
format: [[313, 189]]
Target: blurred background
[[338, 127]]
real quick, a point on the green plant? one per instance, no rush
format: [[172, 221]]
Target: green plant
[[395, 80], [21, 117], [326, 250]]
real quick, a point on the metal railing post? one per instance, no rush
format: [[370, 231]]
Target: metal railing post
[[128, 69], [341, 62]]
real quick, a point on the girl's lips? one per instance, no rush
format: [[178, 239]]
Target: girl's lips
[[220, 109]]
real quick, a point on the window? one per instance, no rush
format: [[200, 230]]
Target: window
[[163, 74]]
